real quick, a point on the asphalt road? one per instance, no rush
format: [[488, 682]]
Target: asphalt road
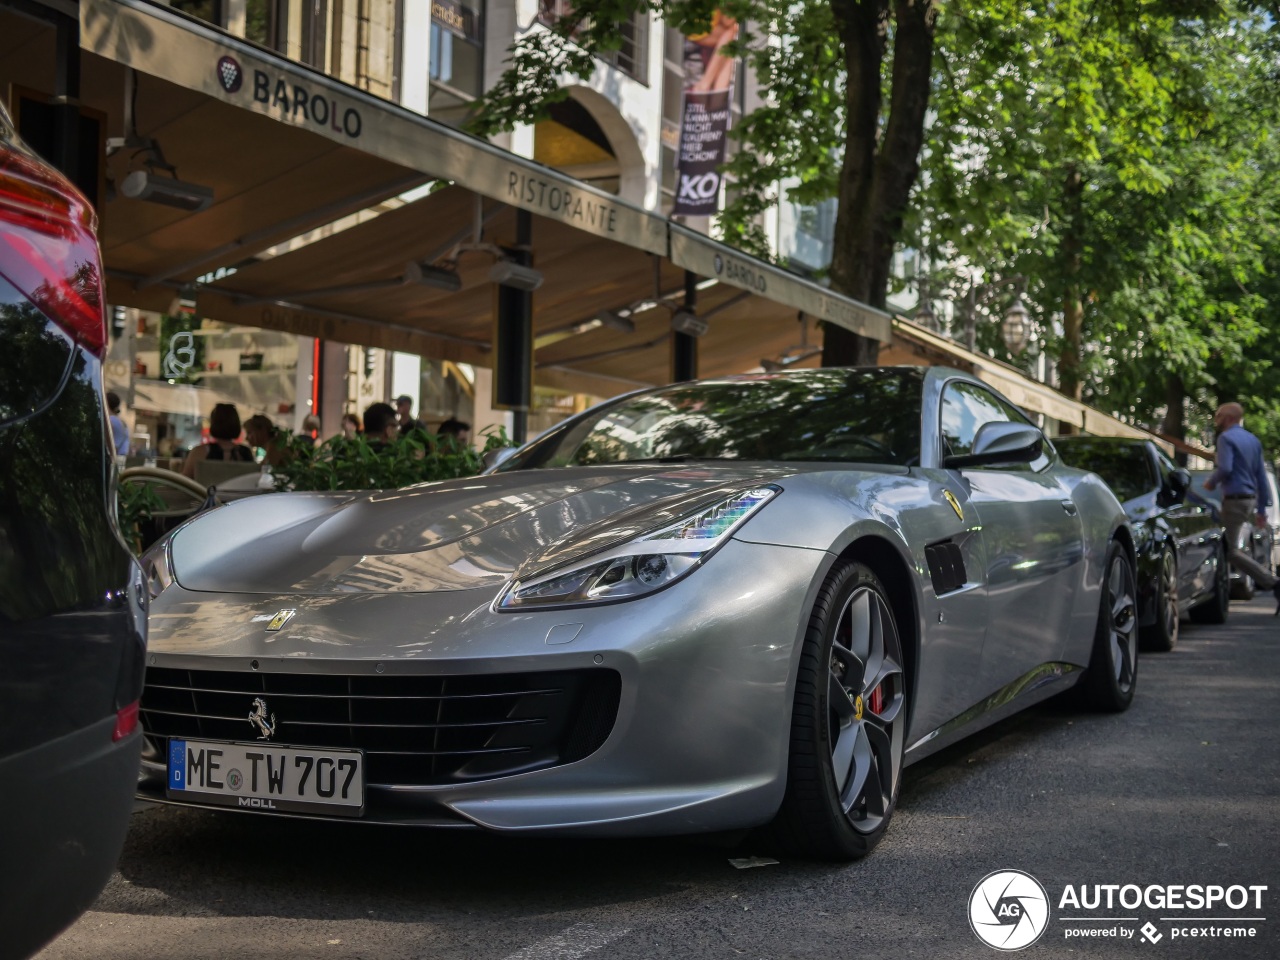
[[1182, 789]]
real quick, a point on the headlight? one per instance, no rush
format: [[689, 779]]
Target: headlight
[[646, 564], [157, 567]]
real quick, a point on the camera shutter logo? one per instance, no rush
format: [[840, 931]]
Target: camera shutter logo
[[230, 75], [1008, 910]]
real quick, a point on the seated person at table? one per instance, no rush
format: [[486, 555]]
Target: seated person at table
[[261, 432], [380, 424], [224, 432]]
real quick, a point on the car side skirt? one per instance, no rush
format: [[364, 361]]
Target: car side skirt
[[1039, 684]]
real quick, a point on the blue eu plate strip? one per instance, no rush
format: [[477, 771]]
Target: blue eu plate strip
[[177, 764]]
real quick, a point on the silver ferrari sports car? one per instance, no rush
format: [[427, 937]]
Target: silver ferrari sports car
[[716, 605]]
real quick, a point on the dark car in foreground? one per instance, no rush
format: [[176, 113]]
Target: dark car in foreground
[[72, 603], [1257, 542], [1182, 568], [717, 605]]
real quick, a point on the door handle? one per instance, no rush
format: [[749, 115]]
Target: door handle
[[1070, 507]]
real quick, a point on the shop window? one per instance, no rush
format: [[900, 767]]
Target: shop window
[[209, 11], [266, 22], [632, 57], [457, 58], [806, 232], [313, 30], [183, 364]]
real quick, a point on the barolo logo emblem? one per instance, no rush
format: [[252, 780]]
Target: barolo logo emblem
[[230, 75]]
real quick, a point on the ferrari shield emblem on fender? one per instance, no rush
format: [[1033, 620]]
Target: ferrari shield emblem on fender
[[951, 499], [284, 616]]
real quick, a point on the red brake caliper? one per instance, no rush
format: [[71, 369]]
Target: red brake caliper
[[876, 700]]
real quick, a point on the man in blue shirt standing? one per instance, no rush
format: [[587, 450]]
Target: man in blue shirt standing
[[1245, 496]]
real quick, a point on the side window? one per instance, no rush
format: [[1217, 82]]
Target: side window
[[965, 408]]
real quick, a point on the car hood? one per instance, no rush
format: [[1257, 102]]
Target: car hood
[[453, 535]]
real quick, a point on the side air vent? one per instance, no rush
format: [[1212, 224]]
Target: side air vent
[[946, 566]]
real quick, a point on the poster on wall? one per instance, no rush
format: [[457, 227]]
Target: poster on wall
[[704, 125]]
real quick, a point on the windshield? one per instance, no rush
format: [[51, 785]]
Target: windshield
[[1126, 467], [850, 416]]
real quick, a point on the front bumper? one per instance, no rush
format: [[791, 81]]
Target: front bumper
[[700, 738]]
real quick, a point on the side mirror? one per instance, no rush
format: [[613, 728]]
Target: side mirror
[[1175, 488], [495, 458], [999, 443]]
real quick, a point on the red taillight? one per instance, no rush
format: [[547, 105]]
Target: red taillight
[[126, 721], [48, 249]]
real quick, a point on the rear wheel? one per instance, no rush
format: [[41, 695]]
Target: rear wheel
[[1163, 634], [1112, 676], [848, 723], [1214, 609]]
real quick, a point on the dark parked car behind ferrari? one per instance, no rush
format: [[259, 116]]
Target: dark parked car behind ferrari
[[1258, 542], [72, 604], [1182, 565]]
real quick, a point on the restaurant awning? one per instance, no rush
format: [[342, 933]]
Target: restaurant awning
[[289, 150]]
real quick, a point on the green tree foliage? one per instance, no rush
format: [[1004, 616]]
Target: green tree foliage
[[1123, 159], [848, 82]]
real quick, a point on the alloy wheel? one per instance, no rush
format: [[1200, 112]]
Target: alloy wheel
[[1124, 622], [865, 700]]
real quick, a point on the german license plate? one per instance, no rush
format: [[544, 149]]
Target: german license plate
[[255, 776]]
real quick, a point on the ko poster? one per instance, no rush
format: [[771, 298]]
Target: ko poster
[[708, 93]]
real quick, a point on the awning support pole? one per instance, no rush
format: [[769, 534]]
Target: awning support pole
[[684, 348], [66, 99], [513, 338]]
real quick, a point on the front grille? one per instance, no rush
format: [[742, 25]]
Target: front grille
[[414, 730]]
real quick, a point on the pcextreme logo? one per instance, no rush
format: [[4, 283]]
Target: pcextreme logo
[[1009, 910]]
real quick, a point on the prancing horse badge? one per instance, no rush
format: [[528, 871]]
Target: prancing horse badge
[[284, 616], [955, 504]]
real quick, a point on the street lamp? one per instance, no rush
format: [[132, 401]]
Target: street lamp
[[924, 315], [1015, 320], [1014, 327]]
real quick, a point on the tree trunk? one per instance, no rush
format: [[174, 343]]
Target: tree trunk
[[1175, 425], [1175, 396], [1069, 379], [878, 171]]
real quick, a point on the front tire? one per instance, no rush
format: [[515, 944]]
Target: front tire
[[1112, 676], [848, 723], [1162, 636]]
